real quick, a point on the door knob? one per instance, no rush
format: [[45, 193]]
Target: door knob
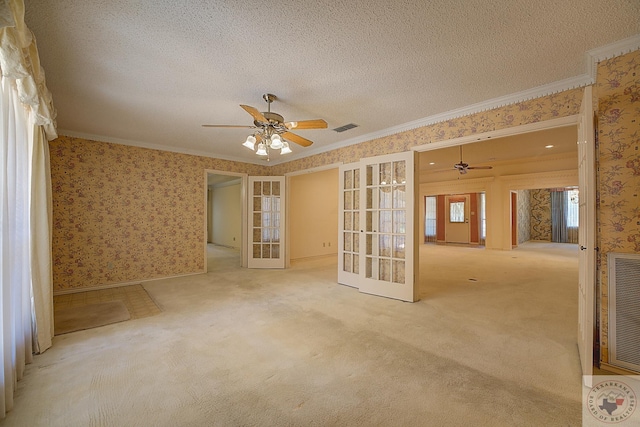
[[582, 248]]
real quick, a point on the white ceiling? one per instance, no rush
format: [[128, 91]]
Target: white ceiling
[[150, 73]]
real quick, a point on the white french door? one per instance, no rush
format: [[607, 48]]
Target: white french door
[[377, 239], [266, 248], [349, 225], [586, 234]]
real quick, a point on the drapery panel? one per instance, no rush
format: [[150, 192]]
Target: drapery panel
[[27, 121], [558, 217], [561, 230], [15, 294], [19, 60]]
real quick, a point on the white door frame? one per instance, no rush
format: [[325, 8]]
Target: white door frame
[[586, 235], [517, 130], [269, 261], [243, 197]]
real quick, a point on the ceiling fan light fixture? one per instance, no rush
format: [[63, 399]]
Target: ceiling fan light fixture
[[285, 148], [276, 141], [250, 143], [270, 129], [262, 149]]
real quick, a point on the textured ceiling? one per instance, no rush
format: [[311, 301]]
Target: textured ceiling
[[150, 73]]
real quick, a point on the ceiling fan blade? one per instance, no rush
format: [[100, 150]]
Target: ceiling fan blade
[[257, 115], [297, 139], [307, 124], [480, 167], [229, 126]]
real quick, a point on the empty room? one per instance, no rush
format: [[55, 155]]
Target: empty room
[[328, 213]]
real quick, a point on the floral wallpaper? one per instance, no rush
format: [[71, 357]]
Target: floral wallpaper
[[541, 215], [524, 216], [617, 91], [123, 213]]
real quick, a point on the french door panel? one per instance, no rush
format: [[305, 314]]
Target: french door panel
[[387, 226], [266, 222], [349, 225], [586, 235]]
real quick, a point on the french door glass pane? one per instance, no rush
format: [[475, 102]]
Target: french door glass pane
[[385, 222], [266, 220], [348, 179], [347, 242], [347, 262], [399, 201], [399, 221], [350, 219], [348, 200], [385, 215]]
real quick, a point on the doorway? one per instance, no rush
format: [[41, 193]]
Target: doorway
[[224, 218], [457, 227], [515, 168]]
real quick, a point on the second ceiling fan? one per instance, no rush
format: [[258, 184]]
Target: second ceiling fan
[[463, 167]]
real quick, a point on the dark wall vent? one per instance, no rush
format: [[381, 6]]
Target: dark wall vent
[[346, 127]]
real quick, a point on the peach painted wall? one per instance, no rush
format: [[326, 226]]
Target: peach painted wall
[[226, 209], [313, 214], [617, 91], [123, 214]]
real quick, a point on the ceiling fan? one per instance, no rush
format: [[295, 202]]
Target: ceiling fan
[[463, 167], [272, 132]]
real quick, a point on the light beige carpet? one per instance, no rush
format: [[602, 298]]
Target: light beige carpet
[[89, 316], [239, 347]]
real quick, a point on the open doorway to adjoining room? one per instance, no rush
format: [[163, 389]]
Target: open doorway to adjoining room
[[224, 219]]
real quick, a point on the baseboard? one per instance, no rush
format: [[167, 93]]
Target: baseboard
[[617, 370], [315, 257], [118, 285]]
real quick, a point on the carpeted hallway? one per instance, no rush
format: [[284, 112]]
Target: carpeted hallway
[[492, 342]]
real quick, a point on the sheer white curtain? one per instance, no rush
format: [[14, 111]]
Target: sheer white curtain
[[27, 120]]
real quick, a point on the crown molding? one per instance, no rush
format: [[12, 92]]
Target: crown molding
[[621, 47], [179, 150], [313, 170]]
